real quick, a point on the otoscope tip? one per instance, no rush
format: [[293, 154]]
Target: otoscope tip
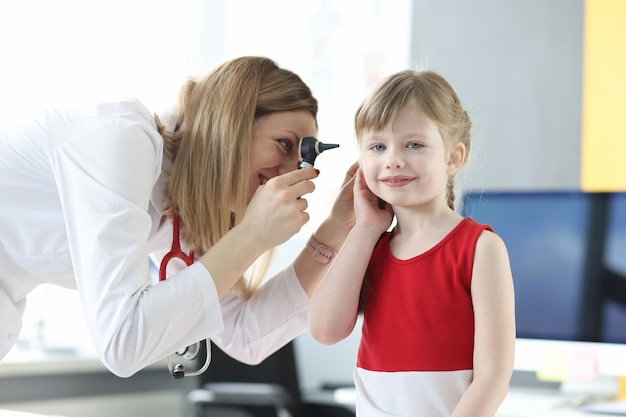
[[325, 146]]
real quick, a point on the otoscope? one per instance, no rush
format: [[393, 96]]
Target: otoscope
[[309, 148]]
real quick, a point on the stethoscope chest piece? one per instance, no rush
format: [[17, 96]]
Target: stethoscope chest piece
[[178, 372]]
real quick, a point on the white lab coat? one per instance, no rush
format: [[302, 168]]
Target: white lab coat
[[81, 207]]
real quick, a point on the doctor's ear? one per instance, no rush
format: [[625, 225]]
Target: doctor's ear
[[456, 157]]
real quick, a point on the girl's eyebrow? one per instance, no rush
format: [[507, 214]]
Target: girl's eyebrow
[[415, 135], [375, 136]]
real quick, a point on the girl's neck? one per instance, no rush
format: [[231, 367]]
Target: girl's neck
[[417, 232], [434, 217]]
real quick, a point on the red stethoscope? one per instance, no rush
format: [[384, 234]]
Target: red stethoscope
[[190, 352]]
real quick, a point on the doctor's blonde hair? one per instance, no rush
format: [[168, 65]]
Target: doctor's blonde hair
[[211, 143]]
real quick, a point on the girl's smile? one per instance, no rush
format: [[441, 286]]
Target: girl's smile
[[396, 181]]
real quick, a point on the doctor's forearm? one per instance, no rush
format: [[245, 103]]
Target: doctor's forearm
[[310, 271], [230, 257]]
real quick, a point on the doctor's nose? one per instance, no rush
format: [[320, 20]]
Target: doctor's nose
[[289, 163]]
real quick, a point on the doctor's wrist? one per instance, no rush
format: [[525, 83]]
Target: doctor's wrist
[[320, 252]]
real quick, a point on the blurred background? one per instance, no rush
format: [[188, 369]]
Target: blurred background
[[544, 112]]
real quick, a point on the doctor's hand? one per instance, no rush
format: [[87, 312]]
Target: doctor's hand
[[277, 209]]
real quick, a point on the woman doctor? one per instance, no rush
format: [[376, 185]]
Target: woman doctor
[[88, 194]]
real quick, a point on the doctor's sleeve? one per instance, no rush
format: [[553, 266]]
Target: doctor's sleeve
[[257, 327], [105, 178]]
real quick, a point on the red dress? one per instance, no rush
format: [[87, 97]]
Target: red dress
[[416, 350]]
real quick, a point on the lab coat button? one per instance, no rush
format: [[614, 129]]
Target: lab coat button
[[10, 336]]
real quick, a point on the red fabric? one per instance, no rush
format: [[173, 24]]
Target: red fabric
[[418, 312]]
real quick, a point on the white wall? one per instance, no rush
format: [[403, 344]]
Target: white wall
[[81, 50], [517, 66]]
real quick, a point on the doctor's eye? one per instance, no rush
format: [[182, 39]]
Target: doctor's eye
[[287, 144]]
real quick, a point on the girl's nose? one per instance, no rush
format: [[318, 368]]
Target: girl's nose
[[394, 161]]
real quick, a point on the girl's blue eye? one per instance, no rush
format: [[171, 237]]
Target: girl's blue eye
[[414, 145], [378, 147]]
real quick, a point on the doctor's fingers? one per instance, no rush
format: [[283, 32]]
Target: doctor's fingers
[[292, 210], [297, 175], [272, 201], [297, 181], [279, 188], [294, 213], [285, 220]]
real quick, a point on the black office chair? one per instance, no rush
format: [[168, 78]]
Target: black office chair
[[230, 388]]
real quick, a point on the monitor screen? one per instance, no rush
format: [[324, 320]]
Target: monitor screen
[[568, 257], [614, 260]]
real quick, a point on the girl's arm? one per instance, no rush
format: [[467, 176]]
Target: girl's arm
[[334, 305], [494, 337]]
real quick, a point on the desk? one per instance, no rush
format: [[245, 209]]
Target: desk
[[519, 402], [537, 402], [9, 413], [40, 362], [77, 385]]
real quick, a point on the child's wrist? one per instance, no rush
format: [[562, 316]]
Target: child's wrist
[[368, 228]]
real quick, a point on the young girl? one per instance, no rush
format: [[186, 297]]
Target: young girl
[[436, 291]]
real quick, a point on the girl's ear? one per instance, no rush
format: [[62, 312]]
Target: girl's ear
[[456, 157]]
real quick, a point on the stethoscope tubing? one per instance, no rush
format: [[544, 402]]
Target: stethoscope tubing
[[178, 371]]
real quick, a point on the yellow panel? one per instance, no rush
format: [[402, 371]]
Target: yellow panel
[[603, 152]]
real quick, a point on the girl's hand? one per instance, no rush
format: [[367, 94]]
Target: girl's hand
[[277, 211], [367, 209]]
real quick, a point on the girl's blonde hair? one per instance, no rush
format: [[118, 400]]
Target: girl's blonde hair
[[210, 146], [422, 90]]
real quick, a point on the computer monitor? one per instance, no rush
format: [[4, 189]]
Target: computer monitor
[[615, 262], [568, 257]]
